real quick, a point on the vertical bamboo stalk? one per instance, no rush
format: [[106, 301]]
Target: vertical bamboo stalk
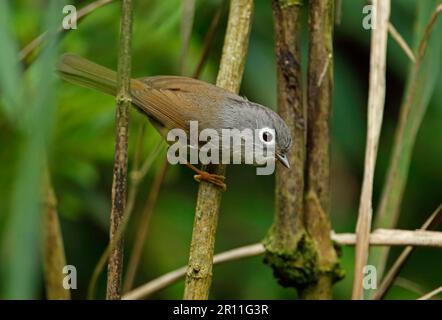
[[284, 240], [199, 270], [317, 192], [115, 266], [376, 100], [54, 255], [420, 87], [160, 175], [290, 184]]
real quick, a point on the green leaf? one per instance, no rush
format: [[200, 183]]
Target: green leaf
[[22, 268], [10, 71]]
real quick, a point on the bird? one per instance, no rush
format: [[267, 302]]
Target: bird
[[173, 102]]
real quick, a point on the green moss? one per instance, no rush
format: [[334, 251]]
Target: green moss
[[298, 268], [292, 269], [338, 273]]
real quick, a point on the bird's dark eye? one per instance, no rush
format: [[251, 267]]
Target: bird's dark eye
[[267, 136]]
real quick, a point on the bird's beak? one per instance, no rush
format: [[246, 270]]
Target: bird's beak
[[283, 159]]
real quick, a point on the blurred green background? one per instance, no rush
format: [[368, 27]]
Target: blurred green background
[[81, 148]]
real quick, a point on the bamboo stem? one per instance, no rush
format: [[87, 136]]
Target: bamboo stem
[[115, 266], [376, 100], [283, 239], [137, 175], [160, 175], [421, 84], [317, 191], [387, 237], [199, 271]]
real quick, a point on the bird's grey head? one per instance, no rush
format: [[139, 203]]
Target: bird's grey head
[[242, 114], [283, 138]]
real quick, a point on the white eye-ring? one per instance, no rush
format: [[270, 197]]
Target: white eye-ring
[[267, 136]]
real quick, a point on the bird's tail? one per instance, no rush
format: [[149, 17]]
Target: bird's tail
[[86, 73]]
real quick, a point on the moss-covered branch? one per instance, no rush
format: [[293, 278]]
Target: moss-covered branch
[[317, 192], [288, 249]]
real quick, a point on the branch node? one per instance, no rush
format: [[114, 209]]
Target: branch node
[[289, 3], [122, 98]]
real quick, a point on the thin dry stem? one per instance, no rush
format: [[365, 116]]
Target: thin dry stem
[[144, 226], [432, 222], [411, 114], [431, 294], [429, 28], [401, 42], [136, 177], [208, 40], [376, 100], [409, 285], [83, 12], [388, 237], [173, 276], [338, 12], [187, 17], [378, 238]]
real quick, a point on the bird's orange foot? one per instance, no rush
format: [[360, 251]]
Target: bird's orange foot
[[215, 179]]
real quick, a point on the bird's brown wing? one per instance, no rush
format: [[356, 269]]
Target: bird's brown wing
[[160, 105], [174, 101], [184, 84]]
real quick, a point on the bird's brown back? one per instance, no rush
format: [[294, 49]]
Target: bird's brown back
[[174, 101]]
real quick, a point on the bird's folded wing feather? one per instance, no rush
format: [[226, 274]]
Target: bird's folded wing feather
[[174, 101]]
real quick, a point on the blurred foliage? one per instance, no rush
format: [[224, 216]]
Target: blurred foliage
[[34, 113], [82, 146]]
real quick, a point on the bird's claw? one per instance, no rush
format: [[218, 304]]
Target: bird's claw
[[217, 180]]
